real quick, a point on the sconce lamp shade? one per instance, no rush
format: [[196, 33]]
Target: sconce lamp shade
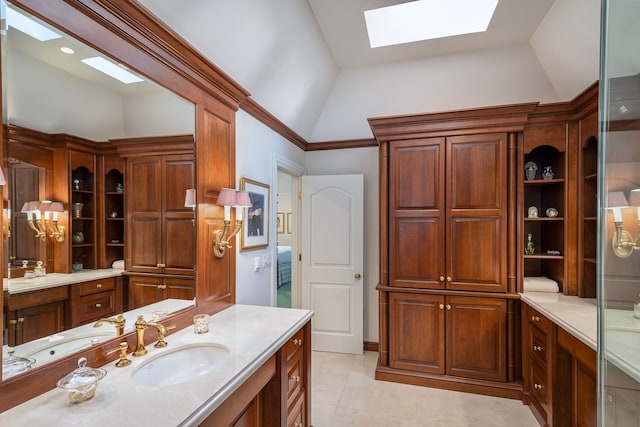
[[190, 198], [30, 206], [56, 207], [45, 206], [634, 197], [227, 197], [243, 199], [3, 180], [616, 199]]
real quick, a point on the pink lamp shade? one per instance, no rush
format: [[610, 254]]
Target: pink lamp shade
[[226, 197], [190, 198], [634, 197], [30, 206], [616, 199], [45, 206], [243, 199], [56, 207]]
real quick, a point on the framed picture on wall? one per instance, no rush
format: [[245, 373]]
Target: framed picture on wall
[[255, 224], [280, 222]]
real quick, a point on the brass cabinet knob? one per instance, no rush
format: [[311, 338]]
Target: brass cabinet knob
[[13, 321], [537, 348], [538, 386], [357, 276], [161, 265], [98, 305], [535, 318], [449, 279], [295, 378], [441, 306], [98, 285], [20, 319], [297, 424], [297, 341], [442, 278], [448, 306]]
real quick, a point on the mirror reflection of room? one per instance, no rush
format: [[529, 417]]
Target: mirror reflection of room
[[70, 114]]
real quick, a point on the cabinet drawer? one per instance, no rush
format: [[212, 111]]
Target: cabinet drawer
[[538, 345], [538, 320], [96, 286], [295, 377], [539, 386], [294, 344], [295, 418], [95, 306]]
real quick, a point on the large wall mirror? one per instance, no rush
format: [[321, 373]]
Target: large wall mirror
[[51, 86]]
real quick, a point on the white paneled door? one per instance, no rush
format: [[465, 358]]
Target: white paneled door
[[332, 266]]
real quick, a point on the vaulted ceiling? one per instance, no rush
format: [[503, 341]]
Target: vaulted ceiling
[[309, 64]]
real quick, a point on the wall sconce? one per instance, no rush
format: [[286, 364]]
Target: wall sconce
[[39, 223], [32, 209], [623, 243], [190, 198], [51, 211], [228, 198]]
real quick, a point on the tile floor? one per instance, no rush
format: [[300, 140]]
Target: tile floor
[[345, 393]]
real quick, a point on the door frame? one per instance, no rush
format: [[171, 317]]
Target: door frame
[[280, 163]]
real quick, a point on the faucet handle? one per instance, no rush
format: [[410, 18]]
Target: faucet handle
[[161, 342], [123, 361]]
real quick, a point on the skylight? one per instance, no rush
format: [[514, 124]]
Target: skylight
[[427, 19], [112, 70], [30, 27]]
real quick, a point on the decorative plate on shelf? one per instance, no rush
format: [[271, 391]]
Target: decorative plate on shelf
[[552, 212]]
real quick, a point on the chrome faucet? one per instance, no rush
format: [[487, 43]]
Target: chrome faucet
[[141, 325], [118, 321]]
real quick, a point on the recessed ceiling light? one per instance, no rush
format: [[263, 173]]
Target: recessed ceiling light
[[30, 27], [67, 50], [112, 70], [427, 19]]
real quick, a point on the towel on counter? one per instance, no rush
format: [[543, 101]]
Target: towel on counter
[[540, 284], [118, 264]]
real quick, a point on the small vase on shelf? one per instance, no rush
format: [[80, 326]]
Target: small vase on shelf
[[547, 173], [530, 248]]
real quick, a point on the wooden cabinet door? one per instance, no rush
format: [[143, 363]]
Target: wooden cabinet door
[[144, 213], [416, 213], [178, 236], [476, 213], [144, 291], [476, 338], [161, 231], [417, 341], [36, 322], [179, 288]]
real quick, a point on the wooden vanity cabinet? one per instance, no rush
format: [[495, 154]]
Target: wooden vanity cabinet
[[95, 299], [559, 375], [147, 289], [277, 395], [36, 314]]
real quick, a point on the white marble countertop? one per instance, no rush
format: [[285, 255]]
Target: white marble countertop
[[50, 280], [251, 332], [578, 316]]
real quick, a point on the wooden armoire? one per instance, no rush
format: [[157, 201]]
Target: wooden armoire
[[448, 299]]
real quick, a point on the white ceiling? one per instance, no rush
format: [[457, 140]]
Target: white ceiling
[[343, 27]]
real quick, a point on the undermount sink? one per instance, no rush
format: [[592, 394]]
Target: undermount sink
[[54, 349], [187, 362]]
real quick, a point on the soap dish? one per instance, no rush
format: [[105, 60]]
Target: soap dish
[[81, 384]]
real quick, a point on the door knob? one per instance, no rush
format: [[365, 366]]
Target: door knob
[[357, 276]]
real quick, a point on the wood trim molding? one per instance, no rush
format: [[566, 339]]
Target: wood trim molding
[[261, 114], [154, 145], [337, 145], [504, 118], [370, 346]]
